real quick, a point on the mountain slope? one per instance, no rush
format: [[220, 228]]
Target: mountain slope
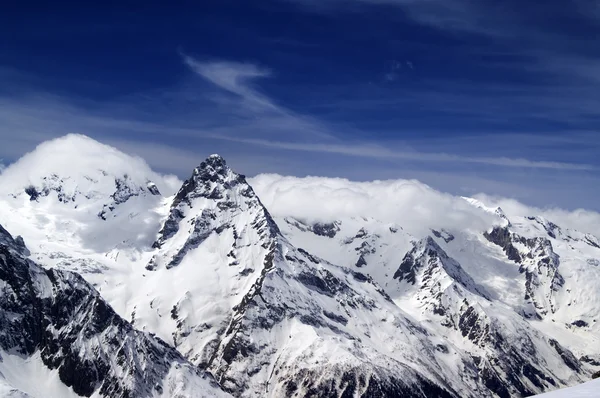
[[271, 302], [58, 321], [458, 284]]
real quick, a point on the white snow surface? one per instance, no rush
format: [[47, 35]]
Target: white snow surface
[[591, 389], [193, 303], [29, 377]]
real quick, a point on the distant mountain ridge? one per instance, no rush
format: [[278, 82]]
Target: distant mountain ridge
[[275, 305]]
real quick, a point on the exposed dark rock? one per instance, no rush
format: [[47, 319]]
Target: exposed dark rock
[[580, 323], [446, 236], [32, 192], [360, 277], [316, 282], [361, 262], [365, 383], [153, 189], [427, 258], [124, 190], [326, 229], [361, 233], [590, 360], [309, 256], [335, 317], [566, 355], [592, 241], [501, 236], [203, 228], [543, 271], [406, 271]]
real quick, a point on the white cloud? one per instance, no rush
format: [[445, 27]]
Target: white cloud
[[77, 157], [261, 113], [234, 77], [409, 203], [580, 219]]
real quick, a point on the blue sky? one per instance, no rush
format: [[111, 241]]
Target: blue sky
[[466, 96]]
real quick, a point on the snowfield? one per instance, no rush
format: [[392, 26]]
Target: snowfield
[[591, 389], [281, 286]]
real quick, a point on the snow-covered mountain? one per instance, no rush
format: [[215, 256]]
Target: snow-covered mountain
[[319, 287], [58, 337]]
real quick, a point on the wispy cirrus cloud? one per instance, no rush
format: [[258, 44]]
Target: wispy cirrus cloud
[[263, 123], [235, 78], [230, 113], [369, 150]]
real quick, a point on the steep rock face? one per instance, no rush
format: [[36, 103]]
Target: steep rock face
[[429, 267], [214, 188], [538, 262], [510, 356], [502, 237], [284, 331], [17, 244], [76, 332], [543, 278]]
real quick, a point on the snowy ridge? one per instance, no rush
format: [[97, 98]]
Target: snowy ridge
[[362, 289], [496, 211], [287, 292]]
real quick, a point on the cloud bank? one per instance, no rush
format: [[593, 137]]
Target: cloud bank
[[409, 203], [580, 219], [78, 157]]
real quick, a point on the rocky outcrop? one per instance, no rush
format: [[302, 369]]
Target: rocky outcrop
[[537, 261], [501, 236], [428, 265]]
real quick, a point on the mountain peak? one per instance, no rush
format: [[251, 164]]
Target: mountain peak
[[209, 180], [214, 169], [209, 200], [214, 164], [78, 166], [427, 261], [217, 157], [428, 246]]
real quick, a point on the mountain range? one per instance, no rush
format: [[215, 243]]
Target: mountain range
[[118, 281]]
